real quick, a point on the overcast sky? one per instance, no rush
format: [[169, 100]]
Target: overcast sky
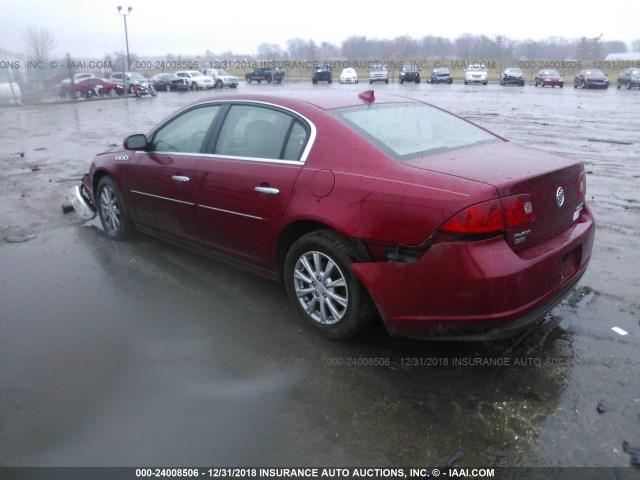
[[159, 27]]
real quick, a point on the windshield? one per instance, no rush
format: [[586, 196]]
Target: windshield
[[407, 131], [222, 71]]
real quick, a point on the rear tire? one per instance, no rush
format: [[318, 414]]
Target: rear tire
[[323, 289]]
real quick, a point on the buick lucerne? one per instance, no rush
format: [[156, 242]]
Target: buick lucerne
[[365, 206]]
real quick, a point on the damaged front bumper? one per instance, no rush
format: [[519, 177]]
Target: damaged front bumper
[[81, 203]]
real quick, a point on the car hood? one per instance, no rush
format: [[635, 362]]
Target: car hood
[[513, 169]]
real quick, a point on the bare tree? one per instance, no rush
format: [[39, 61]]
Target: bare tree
[[296, 47], [269, 51], [329, 51], [40, 44], [613, 46]]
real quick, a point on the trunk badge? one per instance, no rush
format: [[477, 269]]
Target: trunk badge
[[560, 196]]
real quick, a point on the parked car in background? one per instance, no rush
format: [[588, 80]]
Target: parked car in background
[[221, 78], [322, 74], [348, 75], [169, 82], [196, 79], [363, 205], [550, 78], [592, 78], [95, 87], [130, 79], [77, 77], [512, 76], [476, 74], [378, 73], [629, 78], [441, 75], [267, 74], [409, 73]]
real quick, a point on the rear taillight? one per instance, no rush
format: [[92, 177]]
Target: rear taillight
[[493, 216], [518, 210], [582, 186]]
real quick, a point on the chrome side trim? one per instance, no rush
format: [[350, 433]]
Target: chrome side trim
[[163, 198], [225, 157], [231, 212]]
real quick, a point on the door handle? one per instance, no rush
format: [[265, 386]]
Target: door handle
[[180, 178], [267, 190]]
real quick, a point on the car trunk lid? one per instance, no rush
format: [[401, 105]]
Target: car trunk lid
[[552, 182]]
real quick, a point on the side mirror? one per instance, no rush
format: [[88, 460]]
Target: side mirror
[[136, 142]]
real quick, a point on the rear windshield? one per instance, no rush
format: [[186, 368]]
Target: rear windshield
[[407, 131]]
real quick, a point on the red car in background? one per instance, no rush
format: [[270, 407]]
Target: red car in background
[[546, 78], [93, 87], [361, 205]]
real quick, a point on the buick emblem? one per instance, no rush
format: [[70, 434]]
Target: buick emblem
[[560, 196]]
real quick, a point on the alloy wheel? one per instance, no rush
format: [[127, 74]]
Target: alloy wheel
[[321, 287]]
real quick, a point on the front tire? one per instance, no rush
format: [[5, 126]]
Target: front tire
[[113, 212], [322, 288]]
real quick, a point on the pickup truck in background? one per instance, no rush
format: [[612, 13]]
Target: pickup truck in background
[[267, 74]]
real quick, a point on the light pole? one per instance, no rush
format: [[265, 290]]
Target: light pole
[[126, 34]]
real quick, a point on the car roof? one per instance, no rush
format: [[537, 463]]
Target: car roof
[[324, 100]]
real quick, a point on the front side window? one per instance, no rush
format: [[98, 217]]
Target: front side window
[[259, 132], [407, 131], [186, 132]]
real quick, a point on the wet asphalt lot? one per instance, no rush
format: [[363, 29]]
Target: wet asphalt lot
[[140, 353]]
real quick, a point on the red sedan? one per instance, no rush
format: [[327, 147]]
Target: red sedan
[[92, 87], [548, 77], [361, 205]]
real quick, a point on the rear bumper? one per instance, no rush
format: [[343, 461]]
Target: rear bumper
[[478, 290]]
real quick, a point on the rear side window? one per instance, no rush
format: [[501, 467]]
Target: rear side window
[[259, 132], [407, 131]]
